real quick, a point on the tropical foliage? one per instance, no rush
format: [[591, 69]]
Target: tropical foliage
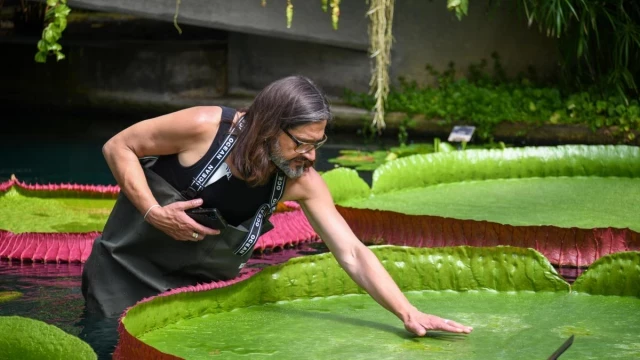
[[486, 97]]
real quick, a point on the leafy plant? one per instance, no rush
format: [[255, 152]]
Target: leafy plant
[[599, 40], [486, 98], [56, 17]]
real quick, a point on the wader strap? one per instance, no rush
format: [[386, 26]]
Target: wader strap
[[198, 183], [214, 164], [264, 211]]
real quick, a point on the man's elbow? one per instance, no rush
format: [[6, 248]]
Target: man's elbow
[[107, 148]]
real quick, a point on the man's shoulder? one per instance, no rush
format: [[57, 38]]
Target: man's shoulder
[[308, 185]]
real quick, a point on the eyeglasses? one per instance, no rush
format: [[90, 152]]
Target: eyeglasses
[[304, 147]]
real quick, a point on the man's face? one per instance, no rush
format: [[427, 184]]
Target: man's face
[[283, 149]]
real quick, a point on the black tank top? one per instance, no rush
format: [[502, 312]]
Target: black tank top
[[233, 197]]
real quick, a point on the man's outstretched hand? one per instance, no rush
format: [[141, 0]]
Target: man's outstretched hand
[[419, 323]]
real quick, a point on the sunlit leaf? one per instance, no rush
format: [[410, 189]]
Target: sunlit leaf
[[41, 57]]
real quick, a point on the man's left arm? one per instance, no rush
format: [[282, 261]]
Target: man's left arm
[[358, 260]]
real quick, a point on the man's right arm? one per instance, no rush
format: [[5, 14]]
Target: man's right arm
[[174, 133]]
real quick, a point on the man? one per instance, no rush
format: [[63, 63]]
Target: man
[[236, 163]]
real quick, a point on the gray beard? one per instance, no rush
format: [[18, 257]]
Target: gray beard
[[284, 164]]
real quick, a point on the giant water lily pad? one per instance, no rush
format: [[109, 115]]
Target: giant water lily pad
[[567, 186], [21, 213], [24, 338], [518, 305], [560, 201], [6, 296]]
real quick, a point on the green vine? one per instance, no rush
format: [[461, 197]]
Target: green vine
[[56, 19]]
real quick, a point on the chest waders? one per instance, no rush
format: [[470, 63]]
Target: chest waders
[[132, 259]]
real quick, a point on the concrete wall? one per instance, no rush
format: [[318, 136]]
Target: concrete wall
[[310, 23], [426, 32], [262, 49], [236, 46], [255, 61], [128, 75]]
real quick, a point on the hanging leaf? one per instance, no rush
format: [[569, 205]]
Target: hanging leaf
[[335, 13], [61, 23], [55, 47], [62, 10], [42, 46], [41, 57], [325, 6], [461, 7], [289, 13]]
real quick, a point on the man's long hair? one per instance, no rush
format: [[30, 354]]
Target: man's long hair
[[284, 104]]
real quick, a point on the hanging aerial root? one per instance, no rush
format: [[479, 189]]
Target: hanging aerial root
[[380, 40]]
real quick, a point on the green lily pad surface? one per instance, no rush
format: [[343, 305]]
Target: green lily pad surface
[[583, 202], [565, 186], [519, 325], [308, 307], [20, 213], [25, 339]]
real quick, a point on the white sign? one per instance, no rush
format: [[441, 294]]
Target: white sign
[[461, 133]]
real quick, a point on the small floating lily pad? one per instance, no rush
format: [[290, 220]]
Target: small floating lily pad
[[6, 296], [24, 338], [20, 213]]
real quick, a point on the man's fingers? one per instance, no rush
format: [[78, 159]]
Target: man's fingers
[[202, 230], [189, 204], [450, 325]]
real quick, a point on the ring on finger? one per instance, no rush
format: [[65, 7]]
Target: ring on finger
[[195, 235], [446, 321]]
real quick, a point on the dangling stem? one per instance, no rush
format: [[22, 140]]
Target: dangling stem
[[289, 13], [175, 17], [380, 39]]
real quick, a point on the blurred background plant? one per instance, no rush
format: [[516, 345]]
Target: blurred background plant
[[487, 97]]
